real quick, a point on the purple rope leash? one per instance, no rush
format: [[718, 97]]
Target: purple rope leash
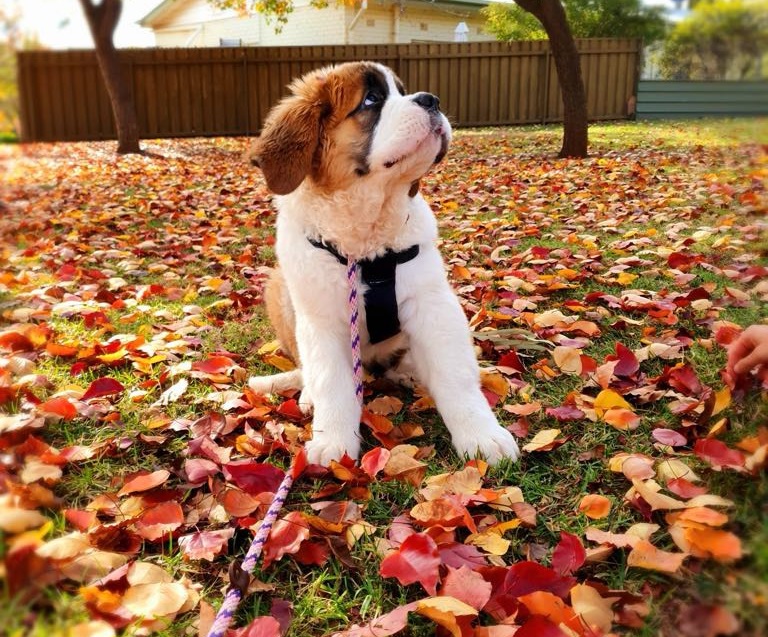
[[240, 574], [354, 329]]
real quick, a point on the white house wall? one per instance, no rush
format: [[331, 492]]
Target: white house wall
[[197, 23]]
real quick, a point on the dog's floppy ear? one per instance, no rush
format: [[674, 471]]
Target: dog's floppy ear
[[286, 147]]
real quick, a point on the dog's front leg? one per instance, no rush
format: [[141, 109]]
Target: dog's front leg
[[445, 362], [327, 369]]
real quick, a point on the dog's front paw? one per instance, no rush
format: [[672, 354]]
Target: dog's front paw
[[323, 448], [493, 443]]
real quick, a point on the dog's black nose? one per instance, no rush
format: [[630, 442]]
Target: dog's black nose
[[427, 101]]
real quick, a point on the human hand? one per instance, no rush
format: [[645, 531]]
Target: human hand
[[749, 351]]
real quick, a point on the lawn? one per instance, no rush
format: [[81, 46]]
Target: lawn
[[135, 464]]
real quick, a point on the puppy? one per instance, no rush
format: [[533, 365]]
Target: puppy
[[344, 154]]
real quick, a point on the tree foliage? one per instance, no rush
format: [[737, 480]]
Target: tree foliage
[[720, 39], [273, 10], [587, 19], [10, 42]]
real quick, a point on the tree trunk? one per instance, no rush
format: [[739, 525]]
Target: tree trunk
[[102, 20], [552, 17]]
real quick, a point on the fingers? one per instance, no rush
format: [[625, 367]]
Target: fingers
[[745, 364]]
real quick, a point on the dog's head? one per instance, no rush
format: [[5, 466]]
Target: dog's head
[[347, 123]]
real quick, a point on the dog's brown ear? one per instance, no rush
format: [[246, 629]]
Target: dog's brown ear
[[286, 147]]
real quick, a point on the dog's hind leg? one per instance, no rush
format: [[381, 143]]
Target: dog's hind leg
[[276, 382]]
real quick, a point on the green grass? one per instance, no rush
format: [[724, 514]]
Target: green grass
[[330, 597]]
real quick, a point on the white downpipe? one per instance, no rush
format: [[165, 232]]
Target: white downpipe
[[358, 15], [194, 35], [396, 10]]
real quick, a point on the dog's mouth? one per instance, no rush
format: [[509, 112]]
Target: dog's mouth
[[438, 130]]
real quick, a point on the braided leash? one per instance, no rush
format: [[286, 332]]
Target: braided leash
[[240, 573], [354, 329]]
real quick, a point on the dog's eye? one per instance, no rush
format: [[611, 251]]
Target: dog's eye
[[371, 99]]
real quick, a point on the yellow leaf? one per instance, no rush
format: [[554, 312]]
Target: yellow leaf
[[155, 600], [542, 440], [625, 278], [494, 382], [568, 359], [596, 611], [281, 362], [649, 491], [722, 400], [449, 612], [490, 542], [608, 399]]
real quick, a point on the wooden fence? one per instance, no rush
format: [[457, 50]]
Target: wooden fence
[[228, 91], [657, 99]]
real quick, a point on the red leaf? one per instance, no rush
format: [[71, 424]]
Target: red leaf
[[375, 460], [526, 577], [205, 545], [199, 469], [569, 554], [565, 412], [511, 360], [684, 380], [253, 477], [456, 555], [215, 365], [417, 560], [282, 611], [685, 489], [626, 361], [59, 406], [143, 481], [538, 626], [468, 586], [260, 627], [313, 553], [160, 520], [669, 437], [290, 409], [102, 387], [286, 537], [718, 454]]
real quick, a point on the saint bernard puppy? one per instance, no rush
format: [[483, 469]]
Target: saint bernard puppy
[[344, 154]]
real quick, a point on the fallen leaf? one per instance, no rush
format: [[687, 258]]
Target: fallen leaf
[[416, 560], [646, 555], [595, 506]]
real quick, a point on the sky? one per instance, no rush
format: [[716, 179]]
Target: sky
[[60, 24]]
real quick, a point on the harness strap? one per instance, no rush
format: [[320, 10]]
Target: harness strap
[[379, 274]]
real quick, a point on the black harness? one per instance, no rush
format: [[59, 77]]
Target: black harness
[[380, 300]]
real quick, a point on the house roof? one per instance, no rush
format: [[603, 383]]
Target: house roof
[[166, 6]]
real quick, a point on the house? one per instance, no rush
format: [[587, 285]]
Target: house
[[190, 23]]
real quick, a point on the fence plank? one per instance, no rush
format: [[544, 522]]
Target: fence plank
[[229, 90]]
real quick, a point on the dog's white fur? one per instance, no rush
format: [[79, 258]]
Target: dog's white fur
[[363, 215]]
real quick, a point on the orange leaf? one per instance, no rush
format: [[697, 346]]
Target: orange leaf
[[144, 481], [59, 406], [160, 521], [622, 419], [595, 506], [646, 555], [721, 545]]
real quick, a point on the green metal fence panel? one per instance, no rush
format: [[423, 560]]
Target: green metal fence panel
[[661, 99]]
